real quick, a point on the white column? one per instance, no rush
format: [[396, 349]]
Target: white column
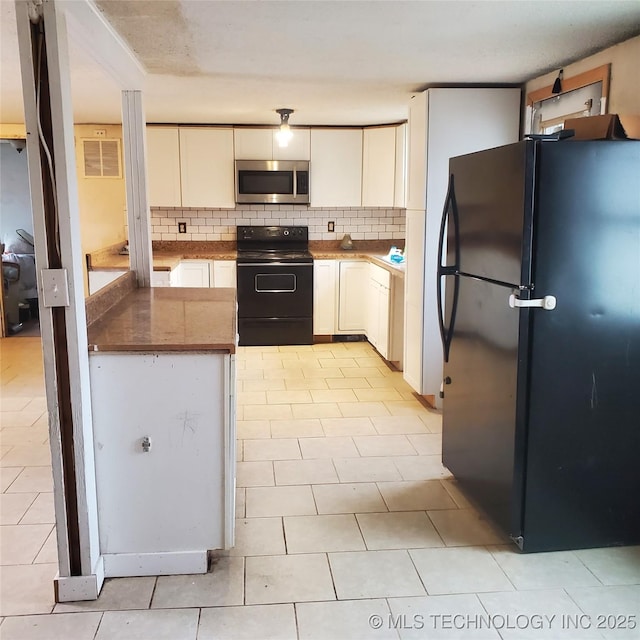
[[63, 325], [135, 154]]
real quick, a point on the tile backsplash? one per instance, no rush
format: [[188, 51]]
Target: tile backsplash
[[220, 224]]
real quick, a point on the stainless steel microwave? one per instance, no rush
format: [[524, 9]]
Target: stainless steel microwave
[[272, 181]]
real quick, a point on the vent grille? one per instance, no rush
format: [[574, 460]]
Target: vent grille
[[101, 158]]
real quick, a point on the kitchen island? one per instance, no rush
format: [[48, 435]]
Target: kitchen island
[[162, 369]]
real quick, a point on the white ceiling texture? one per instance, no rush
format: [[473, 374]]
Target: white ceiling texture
[[333, 62]]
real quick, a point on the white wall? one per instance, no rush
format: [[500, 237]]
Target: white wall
[[15, 200]]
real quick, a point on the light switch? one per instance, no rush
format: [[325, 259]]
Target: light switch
[[55, 288]]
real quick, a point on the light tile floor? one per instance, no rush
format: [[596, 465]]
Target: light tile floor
[[348, 526]]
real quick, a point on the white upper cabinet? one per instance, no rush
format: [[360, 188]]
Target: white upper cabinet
[[206, 166], [336, 167], [163, 166], [299, 147], [261, 144], [253, 144], [379, 167]]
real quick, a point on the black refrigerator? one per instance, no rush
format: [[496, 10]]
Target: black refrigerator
[[539, 305]]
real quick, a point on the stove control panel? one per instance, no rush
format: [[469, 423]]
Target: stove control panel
[[275, 234]]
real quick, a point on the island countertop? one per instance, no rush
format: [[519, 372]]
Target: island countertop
[[168, 319]]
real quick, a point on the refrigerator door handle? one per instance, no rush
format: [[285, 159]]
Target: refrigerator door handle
[[547, 303], [450, 211]]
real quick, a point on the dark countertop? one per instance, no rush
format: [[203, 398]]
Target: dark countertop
[[168, 319]]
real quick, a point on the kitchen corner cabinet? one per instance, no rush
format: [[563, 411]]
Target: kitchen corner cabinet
[[336, 167], [324, 297], [353, 282], [163, 166], [261, 144]]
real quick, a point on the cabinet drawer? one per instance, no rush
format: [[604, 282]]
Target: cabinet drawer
[[380, 275]]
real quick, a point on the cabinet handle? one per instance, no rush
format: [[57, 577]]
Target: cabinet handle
[[146, 444]]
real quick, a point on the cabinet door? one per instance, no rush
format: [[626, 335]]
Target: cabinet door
[[336, 167], [194, 273], [253, 144], [299, 147], [163, 166], [378, 167], [161, 278], [324, 297], [206, 166], [224, 273], [353, 285]]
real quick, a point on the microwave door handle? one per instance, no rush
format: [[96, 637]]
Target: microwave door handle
[[295, 183]]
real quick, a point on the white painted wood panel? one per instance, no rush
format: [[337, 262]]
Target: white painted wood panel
[[400, 189], [163, 166], [171, 498], [443, 123], [336, 167], [417, 151], [206, 166]]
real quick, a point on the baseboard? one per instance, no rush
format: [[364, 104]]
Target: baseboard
[[120, 565]]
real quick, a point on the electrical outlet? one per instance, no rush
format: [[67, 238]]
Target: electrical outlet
[[100, 133], [331, 226], [182, 227]]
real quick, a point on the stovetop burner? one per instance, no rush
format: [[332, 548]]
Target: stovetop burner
[[274, 256], [273, 244]]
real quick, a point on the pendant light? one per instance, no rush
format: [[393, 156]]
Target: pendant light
[[284, 134]]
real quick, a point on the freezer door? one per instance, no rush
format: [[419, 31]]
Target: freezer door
[[493, 195], [480, 439]]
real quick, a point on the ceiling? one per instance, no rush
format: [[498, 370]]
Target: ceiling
[[333, 62]]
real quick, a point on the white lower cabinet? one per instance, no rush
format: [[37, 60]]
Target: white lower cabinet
[[352, 297], [224, 273], [324, 297], [164, 278], [164, 441], [194, 273], [358, 297]]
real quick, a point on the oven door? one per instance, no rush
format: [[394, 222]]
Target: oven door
[[275, 303]]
